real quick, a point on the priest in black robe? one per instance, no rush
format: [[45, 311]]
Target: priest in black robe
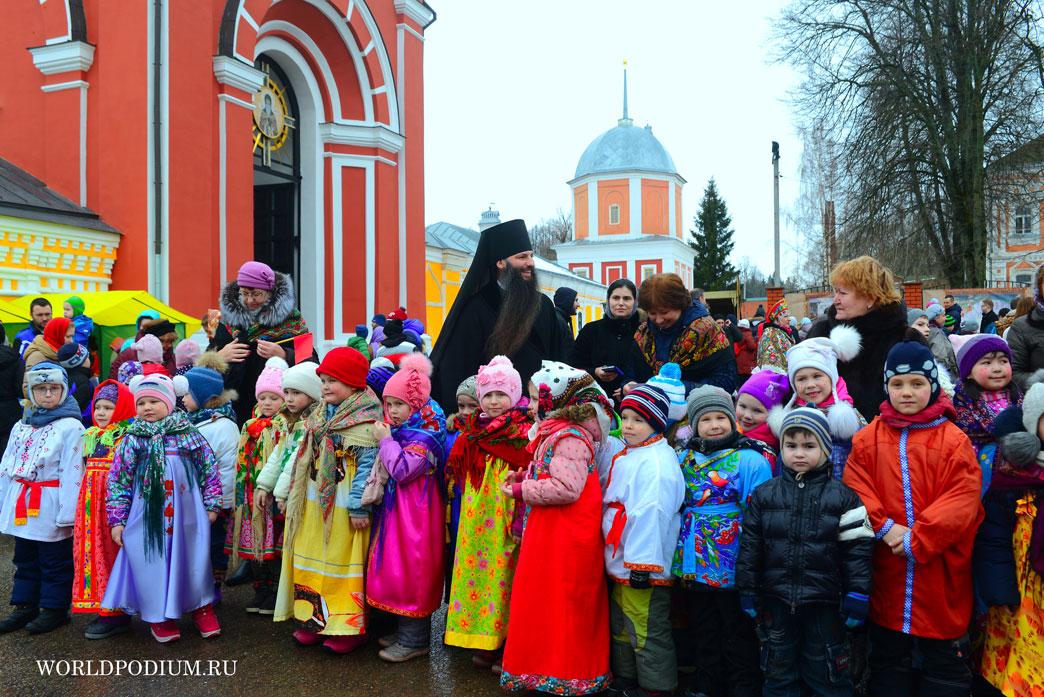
[[498, 311]]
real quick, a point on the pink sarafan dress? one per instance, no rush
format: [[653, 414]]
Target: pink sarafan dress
[[405, 570]]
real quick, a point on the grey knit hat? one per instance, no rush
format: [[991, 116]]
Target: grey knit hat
[[468, 387], [708, 398], [1033, 407]]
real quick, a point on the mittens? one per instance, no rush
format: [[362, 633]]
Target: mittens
[[854, 608], [640, 580], [749, 603]]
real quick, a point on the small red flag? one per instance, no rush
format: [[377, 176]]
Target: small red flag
[[303, 347]]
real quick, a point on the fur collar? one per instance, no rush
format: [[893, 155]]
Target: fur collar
[[275, 312]]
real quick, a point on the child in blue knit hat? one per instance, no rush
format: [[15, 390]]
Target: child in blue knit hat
[[800, 528], [209, 408]]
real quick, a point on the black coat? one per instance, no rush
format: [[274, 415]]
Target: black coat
[[11, 371], [879, 330], [465, 351], [565, 323], [805, 541], [608, 342]]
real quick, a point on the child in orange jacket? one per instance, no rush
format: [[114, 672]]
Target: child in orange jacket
[[917, 474]]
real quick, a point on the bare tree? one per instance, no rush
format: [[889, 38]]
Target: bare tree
[[921, 97], [551, 231]]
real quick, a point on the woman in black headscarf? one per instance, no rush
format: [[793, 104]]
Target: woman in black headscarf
[[608, 343]]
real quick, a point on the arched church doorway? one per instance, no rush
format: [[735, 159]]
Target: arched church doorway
[[277, 173]]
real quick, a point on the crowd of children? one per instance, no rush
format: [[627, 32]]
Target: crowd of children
[[772, 541]]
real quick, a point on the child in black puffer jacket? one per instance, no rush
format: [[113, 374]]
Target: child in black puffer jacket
[[804, 564]]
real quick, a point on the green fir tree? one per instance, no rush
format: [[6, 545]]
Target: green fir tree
[[712, 242]]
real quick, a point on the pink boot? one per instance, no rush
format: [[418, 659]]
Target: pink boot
[[206, 621], [305, 638], [344, 644]]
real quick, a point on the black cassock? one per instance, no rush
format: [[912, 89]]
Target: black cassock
[[464, 350]]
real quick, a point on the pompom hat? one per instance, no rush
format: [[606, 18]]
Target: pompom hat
[[823, 354], [412, 382], [669, 381], [149, 349], [499, 375], [271, 378]]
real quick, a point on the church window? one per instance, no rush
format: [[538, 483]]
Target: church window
[[614, 214], [1024, 221]]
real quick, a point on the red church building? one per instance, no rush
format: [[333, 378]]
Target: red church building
[[212, 132]]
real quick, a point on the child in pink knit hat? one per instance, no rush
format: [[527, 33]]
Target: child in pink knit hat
[[256, 533], [149, 349], [492, 442], [405, 572], [765, 392]]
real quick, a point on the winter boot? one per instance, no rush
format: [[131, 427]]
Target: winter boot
[[19, 617], [48, 620]]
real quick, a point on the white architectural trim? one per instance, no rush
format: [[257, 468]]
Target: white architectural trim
[[375, 136], [340, 24], [625, 174], [150, 197], [83, 145], [411, 30], [310, 196], [634, 189], [371, 241], [235, 73], [316, 54], [235, 100], [592, 209], [63, 57], [672, 219], [416, 11], [400, 88], [164, 257], [58, 87]]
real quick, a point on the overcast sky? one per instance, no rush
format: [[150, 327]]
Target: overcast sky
[[514, 92]]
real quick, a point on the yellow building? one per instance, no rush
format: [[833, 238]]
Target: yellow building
[[448, 252], [47, 242]]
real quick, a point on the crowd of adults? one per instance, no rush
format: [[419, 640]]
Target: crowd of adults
[[501, 310]]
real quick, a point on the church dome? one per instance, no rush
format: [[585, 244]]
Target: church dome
[[625, 148]]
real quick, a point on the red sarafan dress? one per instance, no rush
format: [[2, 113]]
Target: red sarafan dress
[[558, 626], [94, 551]]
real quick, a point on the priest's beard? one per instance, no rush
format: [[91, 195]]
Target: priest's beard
[[519, 307]]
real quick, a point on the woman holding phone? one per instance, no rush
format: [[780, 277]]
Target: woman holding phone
[[605, 348]]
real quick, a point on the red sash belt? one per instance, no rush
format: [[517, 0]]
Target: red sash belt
[[32, 491], [615, 535]]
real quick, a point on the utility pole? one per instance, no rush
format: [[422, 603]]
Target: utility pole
[[775, 208]]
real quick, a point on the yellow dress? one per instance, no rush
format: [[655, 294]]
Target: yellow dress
[[321, 582], [1013, 656]]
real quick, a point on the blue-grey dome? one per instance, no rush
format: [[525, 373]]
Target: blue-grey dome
[[625, 148]]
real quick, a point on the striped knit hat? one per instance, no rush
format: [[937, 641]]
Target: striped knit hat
[[812, 420], [651, 403]]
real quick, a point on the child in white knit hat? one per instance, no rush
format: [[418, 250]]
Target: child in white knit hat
[[812, 370]]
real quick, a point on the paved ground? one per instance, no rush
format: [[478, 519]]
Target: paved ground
[[266, 661]]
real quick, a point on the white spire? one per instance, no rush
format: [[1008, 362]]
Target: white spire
[[626, 120]]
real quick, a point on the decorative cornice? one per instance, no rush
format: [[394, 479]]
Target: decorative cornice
[[416, 11], [235, 73], [377, 136], [63, 58]]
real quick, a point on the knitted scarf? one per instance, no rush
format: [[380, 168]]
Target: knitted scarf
[[326, 441], [150, 475], [38, 417], [504, 437], [293, 325], [696, 342]]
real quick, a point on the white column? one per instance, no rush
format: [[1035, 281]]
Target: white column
[[672, 227], [635, 189], [592, 209]]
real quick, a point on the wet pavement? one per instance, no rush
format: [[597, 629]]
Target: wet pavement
[[260, 653]]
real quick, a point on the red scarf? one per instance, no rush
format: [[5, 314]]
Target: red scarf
[[504, 437], [941, 407]]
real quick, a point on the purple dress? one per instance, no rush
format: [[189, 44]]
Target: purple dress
[[405, 571], [165, 585]]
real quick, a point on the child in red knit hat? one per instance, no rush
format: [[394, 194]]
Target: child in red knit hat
[[327, 525]]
